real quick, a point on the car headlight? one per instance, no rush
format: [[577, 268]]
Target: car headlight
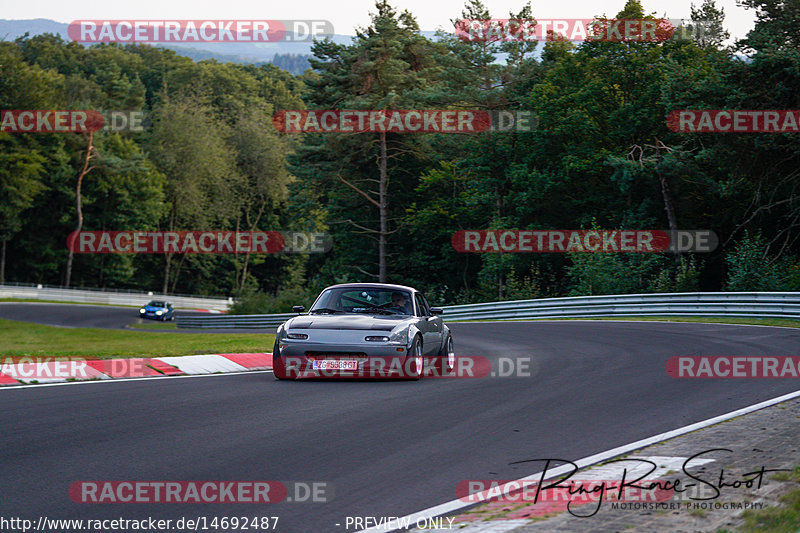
[[141, 310], [297, 336], [376, 338], [159, 312], [400, 336]]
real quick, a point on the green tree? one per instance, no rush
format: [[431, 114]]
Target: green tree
[[708, 20], [612, 273], [776, 26], [20, 183], [751, 269], [188, 145], [126, 192], [22, 86], [472, 76], [386, 64], [261, 161], [87, 166]]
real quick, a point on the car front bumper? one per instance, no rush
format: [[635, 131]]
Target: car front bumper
[[311, 360], [300, 360]]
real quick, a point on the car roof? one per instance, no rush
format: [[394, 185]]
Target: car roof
[[373, 286]]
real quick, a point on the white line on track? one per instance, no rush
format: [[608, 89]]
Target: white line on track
[[454, 505], [91, 381]]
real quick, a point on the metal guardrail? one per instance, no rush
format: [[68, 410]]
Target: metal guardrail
[[722, 304], [750, 304], [95, 289], [133, 299]]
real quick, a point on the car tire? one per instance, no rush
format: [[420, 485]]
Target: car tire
[[414, 364], [278, 366], [447, 357]]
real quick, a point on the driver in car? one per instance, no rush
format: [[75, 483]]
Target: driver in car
[[399, 303]]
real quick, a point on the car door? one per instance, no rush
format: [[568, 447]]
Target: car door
[[430, 325]]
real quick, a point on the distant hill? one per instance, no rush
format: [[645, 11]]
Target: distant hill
[[11, 29], [290, 56], [296, 64]]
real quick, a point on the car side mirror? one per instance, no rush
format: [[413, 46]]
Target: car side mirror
[[437, 311], [298, 308]]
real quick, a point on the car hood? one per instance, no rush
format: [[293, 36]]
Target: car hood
[[152, 308], [365, 322]]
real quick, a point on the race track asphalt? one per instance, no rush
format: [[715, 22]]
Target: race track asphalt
[[383, 448]]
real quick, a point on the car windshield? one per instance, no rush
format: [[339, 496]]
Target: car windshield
[[156, 304], [364, 300]]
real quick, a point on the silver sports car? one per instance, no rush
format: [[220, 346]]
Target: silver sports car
[[370, 330]]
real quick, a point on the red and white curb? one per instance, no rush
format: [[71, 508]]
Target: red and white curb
[[23, 373]]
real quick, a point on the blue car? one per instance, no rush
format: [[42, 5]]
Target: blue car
[[157, 310]]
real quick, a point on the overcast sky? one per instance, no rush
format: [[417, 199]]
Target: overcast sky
[[345, 14]]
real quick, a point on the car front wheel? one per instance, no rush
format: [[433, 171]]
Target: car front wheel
[[414, 360], [447, 357], [278, 366]]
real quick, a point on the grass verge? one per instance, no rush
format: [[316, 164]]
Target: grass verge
[[781, 518], [18, 339]]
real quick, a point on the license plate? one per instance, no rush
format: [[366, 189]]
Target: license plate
[[334, 364]]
